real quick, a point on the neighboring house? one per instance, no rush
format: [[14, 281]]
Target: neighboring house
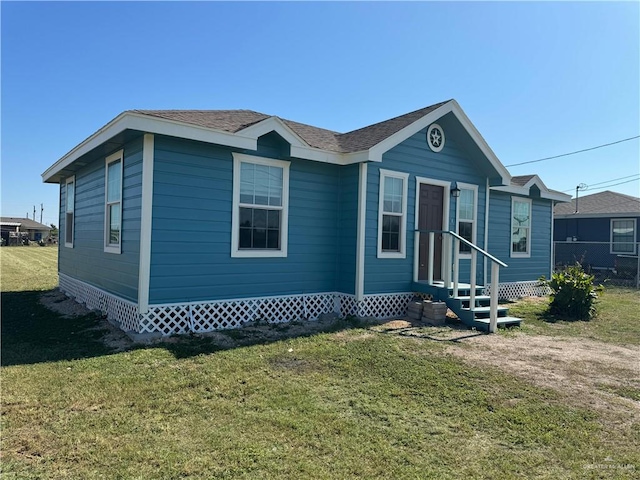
[[176, 220], [599, 230], [36, 231]]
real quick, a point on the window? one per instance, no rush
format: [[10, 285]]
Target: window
[[520, 227], [113, 203], [260, 207], [467, 204], [392, 214], [623, 236], [70, 202]]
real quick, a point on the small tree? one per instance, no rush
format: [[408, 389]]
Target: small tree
[[573, 294]]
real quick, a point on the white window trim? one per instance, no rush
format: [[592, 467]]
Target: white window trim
[[236, 252], [520, 254], [402, 241], [71, 179], [118, 156], [635, 235], [474, 227]]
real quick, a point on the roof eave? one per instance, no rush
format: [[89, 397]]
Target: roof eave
[[597, 215], [377, 151], [147, 124]]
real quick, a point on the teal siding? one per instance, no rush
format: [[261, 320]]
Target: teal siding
[[520, 269], [454, 163], [348, 229], [191, 239], [87, 260]]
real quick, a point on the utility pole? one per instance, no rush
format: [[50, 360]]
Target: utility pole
[[582, 186], [41, 210], [34, 213]]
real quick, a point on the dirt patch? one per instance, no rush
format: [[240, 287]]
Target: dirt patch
[[67, 307], [58, 302], [578, 368]]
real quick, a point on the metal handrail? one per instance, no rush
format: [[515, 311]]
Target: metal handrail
[[495, 269], [467, 242]]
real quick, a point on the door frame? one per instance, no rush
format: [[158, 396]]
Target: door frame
[[446, 201]]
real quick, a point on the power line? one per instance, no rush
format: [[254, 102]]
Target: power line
[[606, 181], [613, 185], [573, 153]]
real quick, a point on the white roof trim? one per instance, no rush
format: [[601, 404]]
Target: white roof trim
[[525, 190], [247, 138], [376, 152], [597, 215], [144, 123], [273, 124]]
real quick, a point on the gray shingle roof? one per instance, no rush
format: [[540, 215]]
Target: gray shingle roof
[[521, 180], [233, 121], [25, 223], [602, 203]]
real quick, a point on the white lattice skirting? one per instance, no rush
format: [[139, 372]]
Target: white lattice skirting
[[514, 290], [115, 308], [198, 317]]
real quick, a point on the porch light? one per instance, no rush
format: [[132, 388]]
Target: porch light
[[455, 191]]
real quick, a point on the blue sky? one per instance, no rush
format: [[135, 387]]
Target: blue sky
[[536, 79]]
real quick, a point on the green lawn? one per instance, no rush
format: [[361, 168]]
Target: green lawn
[[350, 403], [617, 320]]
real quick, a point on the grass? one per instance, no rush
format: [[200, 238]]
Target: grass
[[616, 320], [341, 404]]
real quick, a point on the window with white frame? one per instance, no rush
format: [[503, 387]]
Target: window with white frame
[[467, 211], [392, 214], [113, 203], [520, 227], [69, 219], [260, 207], [623, 235]]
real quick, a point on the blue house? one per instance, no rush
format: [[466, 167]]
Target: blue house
[[175, 221], [599, 230]]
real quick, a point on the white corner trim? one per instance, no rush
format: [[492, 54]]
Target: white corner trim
[[236, 252], [402, 253], [553, 246], [487, 200], [526, 254], [71, 179], [468, 186], [146, 216], [117, 156], [360, 242]]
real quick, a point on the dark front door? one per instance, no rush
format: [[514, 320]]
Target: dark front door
[[430, 216]]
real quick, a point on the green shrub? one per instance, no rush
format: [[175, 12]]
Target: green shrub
[[573, 294]]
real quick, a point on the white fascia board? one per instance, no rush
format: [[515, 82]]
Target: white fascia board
[[324, 156], [376, 152], [481, 142], [557, 196], [511, 189], [597, 215], [316, 154], [273, 124], [144, 123], [536, 180], [517, 190]]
